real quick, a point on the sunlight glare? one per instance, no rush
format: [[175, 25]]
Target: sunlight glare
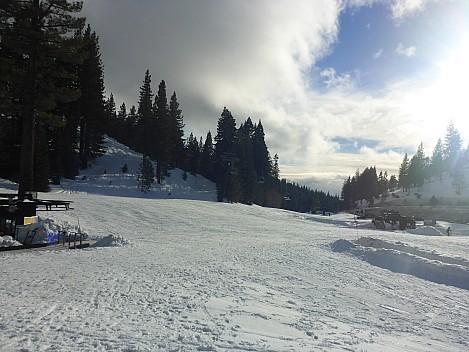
[[450, 93], [446, 99]]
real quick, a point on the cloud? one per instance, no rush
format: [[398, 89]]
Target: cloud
[[400, 9], [333, 80], [331, 178], [409, 52], [258, 59], [377, 55], [406, 8]]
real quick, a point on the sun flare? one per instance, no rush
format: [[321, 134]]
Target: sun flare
[[447, 99], [452, 87]]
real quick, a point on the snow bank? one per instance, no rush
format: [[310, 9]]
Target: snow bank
[[401, 258], [112, 241], [342, 246]]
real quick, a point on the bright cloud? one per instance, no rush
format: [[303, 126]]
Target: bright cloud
[[333, 80], [409, 52], [405, 8]]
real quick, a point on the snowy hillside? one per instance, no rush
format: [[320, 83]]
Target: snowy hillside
[[441, 199], [444, 189], [181, 274], [105, 177]]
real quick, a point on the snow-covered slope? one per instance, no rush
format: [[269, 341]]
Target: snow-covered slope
[[191, 275], [105, 177]]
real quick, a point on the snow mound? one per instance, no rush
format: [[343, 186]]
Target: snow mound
[[342, 246], [112, 241], [8, 241], [401, 258]]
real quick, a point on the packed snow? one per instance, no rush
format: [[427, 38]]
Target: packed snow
[[173, 270]]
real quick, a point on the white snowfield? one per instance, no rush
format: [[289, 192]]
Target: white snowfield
[[193, 275]]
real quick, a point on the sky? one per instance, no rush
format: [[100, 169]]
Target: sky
[[339, 85]]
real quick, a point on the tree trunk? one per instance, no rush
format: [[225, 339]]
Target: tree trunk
[[29, 108]]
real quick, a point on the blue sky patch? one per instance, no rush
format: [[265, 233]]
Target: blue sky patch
[[353, 145]]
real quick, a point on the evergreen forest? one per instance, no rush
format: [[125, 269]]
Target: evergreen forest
[[447, 156], [54, 116]]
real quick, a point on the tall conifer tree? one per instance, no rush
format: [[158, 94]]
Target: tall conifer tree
[[437, 160], [93, 121], [226, 159], [452, 147], [144, 115], [162, 133], [207, 158], [404, 173], [246, 170], [36, 44], [176, 130]]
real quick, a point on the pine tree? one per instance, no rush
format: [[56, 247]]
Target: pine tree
[[162, 140], [417, 168], [226, 180], [144, 115], [246, 169], [130, 127], [120, 124], [347, 194], [437, 160], [404, 173], [93, 121], [393, 183], [113, 122], [193, 153], [35, 43], [207, 158], [262, 159], [452, 147], [383, 184], [275, 168], [145, 175], [176, 130], [368, 185]]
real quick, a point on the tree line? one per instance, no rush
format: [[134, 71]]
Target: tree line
[[236, 159], [447, 156], [54, 116]]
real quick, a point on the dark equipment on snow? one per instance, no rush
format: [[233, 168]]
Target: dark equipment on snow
[[393, 218], [14, 209]]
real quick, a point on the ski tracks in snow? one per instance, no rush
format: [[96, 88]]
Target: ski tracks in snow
[[257, 281]]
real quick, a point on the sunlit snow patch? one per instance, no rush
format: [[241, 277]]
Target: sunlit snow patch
[[401, 258]]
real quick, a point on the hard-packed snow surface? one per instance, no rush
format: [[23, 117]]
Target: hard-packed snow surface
[[192, 275]]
